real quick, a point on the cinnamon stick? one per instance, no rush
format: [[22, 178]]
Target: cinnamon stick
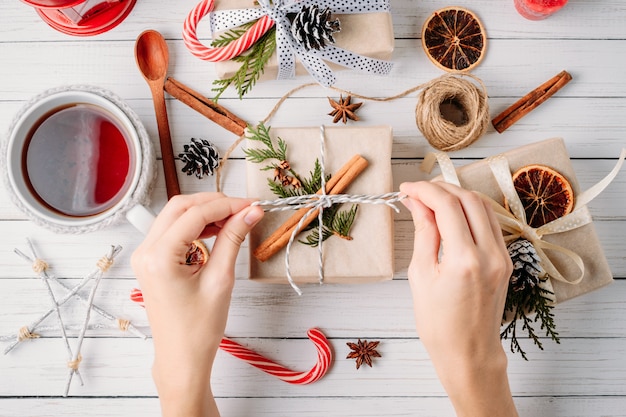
[[530, 101], [336, 185], [205, 106]]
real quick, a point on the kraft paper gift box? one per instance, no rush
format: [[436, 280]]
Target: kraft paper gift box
[[366, 258], [367, 34], [583, 240]]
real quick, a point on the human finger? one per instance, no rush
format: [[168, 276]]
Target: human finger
[[475, 214], [230, 237], [426, 239], [190, 225], [174, 208], [448, 211]]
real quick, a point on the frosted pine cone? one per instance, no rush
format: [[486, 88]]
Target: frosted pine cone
[[200, 158], [526, 265], [313, 28]]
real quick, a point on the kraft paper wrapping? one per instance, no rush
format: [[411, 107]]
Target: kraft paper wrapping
[[366, 258], [367, 34], [583, 240]]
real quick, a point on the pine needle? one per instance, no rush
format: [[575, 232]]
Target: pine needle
[[531, 300]]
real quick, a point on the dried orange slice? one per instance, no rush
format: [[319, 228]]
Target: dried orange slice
[[198, 253], [454, 39], [545, 194]]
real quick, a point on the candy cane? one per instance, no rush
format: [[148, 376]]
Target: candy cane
[[324, 355], [137, 296], [223, 53]]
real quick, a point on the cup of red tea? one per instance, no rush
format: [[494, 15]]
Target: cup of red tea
[[77, 159]]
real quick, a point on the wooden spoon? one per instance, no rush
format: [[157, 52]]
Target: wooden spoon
[[152, 59]]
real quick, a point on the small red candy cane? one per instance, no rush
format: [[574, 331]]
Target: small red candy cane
[[324, 358], [324, 355], [223, 53]]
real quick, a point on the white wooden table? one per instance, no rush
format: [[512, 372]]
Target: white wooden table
[[583, 376]]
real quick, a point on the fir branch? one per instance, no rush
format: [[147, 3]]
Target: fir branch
[[342, 223], [259, 155], [252, 66], [281, 191], [336, 223], [313, 238], [313, 183], [530, 300]]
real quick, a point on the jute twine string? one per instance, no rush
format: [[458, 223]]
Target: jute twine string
[[24, 334], [123, 324], [441, 133], [39, 265]]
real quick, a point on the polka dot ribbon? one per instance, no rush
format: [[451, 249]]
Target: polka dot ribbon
[[321, 367], [514, 222], [275, 13]]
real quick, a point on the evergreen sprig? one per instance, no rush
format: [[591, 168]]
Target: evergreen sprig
[[260, 155], [339, 223], [335, 222], [530, 300], [252, 61]]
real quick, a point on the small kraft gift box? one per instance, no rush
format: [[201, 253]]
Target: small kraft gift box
[[562, 240], [368, 256], [366, 33]]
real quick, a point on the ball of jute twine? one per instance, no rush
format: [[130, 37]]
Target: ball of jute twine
[[452, 113], [469, 98]]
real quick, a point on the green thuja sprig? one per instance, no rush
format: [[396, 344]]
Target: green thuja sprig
[[252, 61], [260, 155], [521, 304], [338, 224]]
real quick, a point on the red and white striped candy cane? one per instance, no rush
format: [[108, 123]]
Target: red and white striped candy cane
[[137, 296], [223, 53], [324, 355], [324, 358]]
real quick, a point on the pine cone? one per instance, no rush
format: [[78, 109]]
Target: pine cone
[[313, 28], [526, 265], [200, 158]]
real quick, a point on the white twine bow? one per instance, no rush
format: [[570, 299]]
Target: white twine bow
[[320, 202], [514, 222], [288, 48]]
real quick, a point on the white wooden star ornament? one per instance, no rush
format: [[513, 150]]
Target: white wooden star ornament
[[28, 332]]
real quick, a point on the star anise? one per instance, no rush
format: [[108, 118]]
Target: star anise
[[363, 351], [344, 109]]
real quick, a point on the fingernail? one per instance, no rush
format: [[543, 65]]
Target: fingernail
[[253, 216]]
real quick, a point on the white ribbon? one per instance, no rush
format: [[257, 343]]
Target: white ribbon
[[288, 48], [513, 222]]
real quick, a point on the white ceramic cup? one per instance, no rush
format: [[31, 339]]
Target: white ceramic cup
[[131, 194]]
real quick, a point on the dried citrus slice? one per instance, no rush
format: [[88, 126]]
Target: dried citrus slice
[[197, 254], [454, 39], [545, 194]]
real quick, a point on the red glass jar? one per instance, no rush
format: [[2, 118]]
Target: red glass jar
[[82, 17], [538, 9]]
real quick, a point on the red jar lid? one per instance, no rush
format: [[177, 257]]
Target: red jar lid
[[100, 22], [53, 4]]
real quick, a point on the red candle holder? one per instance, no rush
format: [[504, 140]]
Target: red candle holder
[[82, 17]]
